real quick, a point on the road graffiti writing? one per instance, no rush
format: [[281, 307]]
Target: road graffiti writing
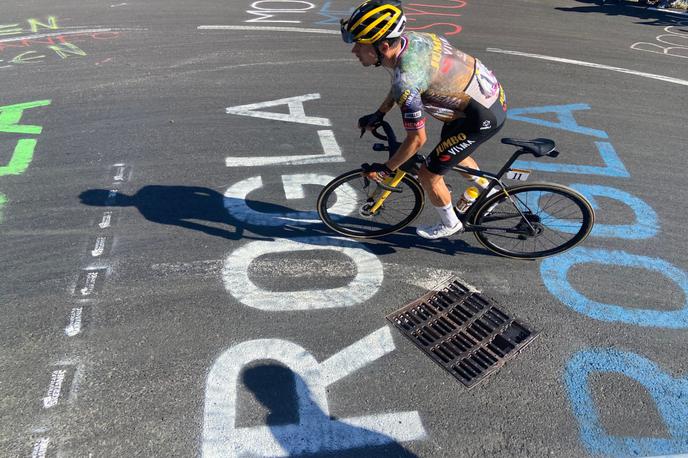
[[41, 40], [435, 17], [668, 393], [286, 11], [316, 431], [443, 14], [418, 16], [332, 17], [672, 43], [362, 287], [34, 25], [22, 155]]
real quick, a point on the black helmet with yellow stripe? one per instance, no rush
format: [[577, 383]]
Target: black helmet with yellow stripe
[[374, 20]]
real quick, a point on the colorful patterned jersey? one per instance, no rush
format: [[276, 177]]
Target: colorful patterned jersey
[[434, 77]]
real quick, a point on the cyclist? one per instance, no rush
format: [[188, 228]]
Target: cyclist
[[428, 75]]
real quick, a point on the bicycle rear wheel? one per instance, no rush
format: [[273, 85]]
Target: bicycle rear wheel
[[344, 204], [552, 219]]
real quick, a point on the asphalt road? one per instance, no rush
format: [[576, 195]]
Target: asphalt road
[[161, 268]]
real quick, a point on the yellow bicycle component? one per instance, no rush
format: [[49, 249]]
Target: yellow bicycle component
[[389, 181]]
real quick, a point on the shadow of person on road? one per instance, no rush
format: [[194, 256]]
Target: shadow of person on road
[[626, 8], [210, 212], [190, 207], [299, 425]]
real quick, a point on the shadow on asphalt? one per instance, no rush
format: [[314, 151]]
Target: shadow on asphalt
[[286, 398], [630, 9], [198, 208]]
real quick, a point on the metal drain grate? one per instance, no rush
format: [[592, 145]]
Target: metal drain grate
[[462, 331]]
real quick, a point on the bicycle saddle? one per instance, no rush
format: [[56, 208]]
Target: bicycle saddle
[[537, 146]]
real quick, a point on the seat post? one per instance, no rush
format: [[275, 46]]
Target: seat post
[[511, 160]]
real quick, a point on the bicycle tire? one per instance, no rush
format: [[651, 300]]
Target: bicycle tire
[[571, 224], [360, 225]]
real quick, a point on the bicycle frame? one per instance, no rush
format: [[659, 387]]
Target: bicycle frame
[[503, 217], [495, 179]]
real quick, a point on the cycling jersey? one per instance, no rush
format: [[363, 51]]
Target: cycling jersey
[[434, 77]]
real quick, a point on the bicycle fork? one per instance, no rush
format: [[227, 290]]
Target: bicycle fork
[[388, 186]]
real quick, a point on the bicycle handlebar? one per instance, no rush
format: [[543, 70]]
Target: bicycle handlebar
[[389, 136]]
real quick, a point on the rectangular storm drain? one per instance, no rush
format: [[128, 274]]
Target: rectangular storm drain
[[462, 331]]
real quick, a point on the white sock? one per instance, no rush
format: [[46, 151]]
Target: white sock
[[449, 218]]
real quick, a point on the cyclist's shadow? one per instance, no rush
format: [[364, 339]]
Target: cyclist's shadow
[[210, 212], [301, 428], [193, 207], [633, 9]]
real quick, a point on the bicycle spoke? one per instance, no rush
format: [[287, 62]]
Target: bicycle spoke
[[357, 197], [554, 218]]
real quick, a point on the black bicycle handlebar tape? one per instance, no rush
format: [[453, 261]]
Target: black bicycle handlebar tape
[[389, 137], [389, 132]]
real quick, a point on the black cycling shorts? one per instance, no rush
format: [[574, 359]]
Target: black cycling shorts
[[461, 137]]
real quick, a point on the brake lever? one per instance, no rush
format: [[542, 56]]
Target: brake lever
[[366, 183]]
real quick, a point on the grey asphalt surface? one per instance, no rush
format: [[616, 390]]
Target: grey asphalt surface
[[152, 95]]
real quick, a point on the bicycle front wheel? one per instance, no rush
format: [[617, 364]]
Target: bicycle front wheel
[[533, 220], [344, 205]]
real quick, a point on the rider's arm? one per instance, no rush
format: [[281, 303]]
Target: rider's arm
[[388, 104], [414, 140], [414, 123]]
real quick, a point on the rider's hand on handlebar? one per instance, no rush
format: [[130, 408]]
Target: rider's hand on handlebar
[[376, 171], [370, 121]]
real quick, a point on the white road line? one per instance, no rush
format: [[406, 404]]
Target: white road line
[[74, 326], [667, 79], [106, 221], [271, 29], [40, 448], [120, 173], [91, 278], [99, 247], [54, 389]]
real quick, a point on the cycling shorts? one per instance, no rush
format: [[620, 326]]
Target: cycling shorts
[[461, 137]]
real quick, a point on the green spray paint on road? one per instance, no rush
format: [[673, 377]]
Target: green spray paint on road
[[10, 116], [21, 158], [3, 200]]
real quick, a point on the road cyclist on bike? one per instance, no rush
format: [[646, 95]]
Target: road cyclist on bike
[[428, 76]]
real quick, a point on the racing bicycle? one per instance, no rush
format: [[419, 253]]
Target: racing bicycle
[[525, 221]]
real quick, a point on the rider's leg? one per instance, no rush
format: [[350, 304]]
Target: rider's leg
[[440, 198], [435, 187], [459, 139], [471, 164]]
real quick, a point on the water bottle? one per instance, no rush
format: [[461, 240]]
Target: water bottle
[[468, 197]]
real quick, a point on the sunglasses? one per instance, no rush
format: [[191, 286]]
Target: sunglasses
[[347, 36]]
